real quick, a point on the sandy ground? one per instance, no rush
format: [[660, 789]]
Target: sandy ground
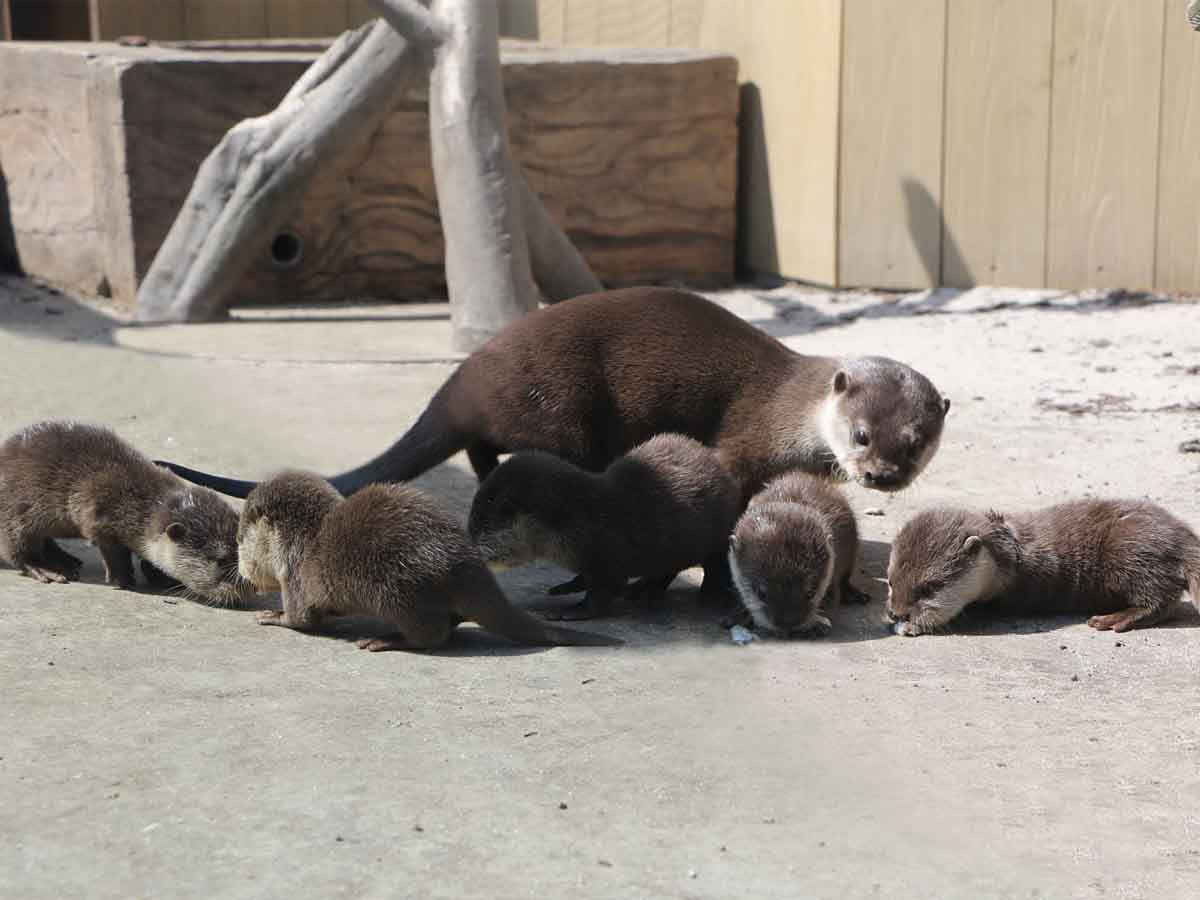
[[155, 747]]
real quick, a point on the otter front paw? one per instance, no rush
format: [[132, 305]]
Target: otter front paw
[[907, 629], [272, 617], [817, 626]]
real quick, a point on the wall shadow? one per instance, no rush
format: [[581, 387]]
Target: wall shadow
[[942, 259], [10, 259], [756, 243]]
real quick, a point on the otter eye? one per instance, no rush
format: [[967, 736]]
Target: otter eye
[[860, 437]]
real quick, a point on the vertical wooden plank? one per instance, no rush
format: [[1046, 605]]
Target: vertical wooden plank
[[519, 19], [359, 11], [687, 17], [1104, 143], [891, 143], [211, 19], [630, 23], [1177, 256], [552, 21], [997, 129], [5, 20], [156, 19], [789, 55], [306, 18]]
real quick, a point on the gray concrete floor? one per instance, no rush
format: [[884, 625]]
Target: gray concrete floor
[[153, 747]]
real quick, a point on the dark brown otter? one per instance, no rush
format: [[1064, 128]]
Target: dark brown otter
[[663, 507], [389, 552], [1129, 560], [792, 553], [590, 378], [67, 480]]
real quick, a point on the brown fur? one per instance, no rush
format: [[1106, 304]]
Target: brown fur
[[389, 552], [663, 507], [793, 551], [591, 378], [1129, 560], [66, 480]]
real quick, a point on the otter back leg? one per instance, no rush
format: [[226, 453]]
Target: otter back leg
[[484, 458], [574, 586], [27, 554], [596, 603], [1133, 616], [718, 579], [118, 564], [429, 634], [650, 591], [57, 556], [851, 594]]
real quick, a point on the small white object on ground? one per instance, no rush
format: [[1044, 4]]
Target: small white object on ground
[[741, 636]]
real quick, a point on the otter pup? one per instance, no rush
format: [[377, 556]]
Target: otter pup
[[663, 507], [388, 551], [591, 378], [791, 555], [1129, 560], [67, 480]]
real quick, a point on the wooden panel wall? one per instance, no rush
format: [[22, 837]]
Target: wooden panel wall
[[891, 143], [1177, 264], [997, 134], [211, 19], [1104, 142], [156, 19]]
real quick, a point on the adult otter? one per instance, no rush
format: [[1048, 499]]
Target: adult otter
[[591, 378]]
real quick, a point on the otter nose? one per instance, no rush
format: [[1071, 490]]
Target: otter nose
[[881, 479]]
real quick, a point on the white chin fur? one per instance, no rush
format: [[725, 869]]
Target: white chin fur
[[834, 432], [758, 612]]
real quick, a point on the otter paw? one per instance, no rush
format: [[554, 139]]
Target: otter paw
[[906, 629], [576, 585], [1118, 621], [851, 594], [271, 617], [45, 574], [817, 626], [378, 644]]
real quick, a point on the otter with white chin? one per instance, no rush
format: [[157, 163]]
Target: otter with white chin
[[663, 507], [390, 552], [1129, 561], [592, 377], [791, 555], [70, 480]]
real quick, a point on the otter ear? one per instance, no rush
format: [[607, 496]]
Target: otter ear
[[945, 407], [841, 382], [176, 531], [972, 544], [733, 541]]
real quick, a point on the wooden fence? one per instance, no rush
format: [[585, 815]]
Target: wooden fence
[[1025, 142]]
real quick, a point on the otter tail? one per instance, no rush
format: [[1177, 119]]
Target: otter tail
[[232, 487], [485, 604], [429, 441]]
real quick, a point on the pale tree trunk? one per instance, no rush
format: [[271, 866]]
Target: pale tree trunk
[[501, 244]]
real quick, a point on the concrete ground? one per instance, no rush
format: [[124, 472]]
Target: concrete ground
[[157, 747]]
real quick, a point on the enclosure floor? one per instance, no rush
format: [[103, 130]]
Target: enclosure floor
[[152, 746]]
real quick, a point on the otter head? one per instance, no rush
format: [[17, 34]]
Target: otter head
[[883, 422], [523, 510], [280, 517], [781, 558], [194, 540], [942, 561]]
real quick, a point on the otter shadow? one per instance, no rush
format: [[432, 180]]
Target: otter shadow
[[985, 622]]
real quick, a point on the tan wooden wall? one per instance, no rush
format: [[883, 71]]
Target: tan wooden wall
[[1026, 142], [211, 19]]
